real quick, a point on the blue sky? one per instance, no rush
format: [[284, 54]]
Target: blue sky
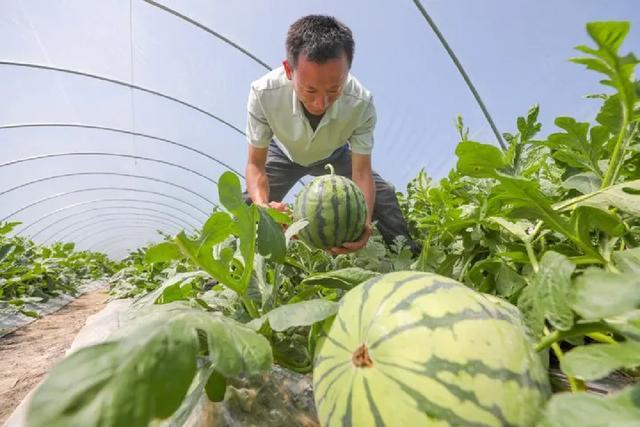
[[515, 52]]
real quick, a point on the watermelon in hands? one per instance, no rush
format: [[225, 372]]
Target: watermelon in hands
[[335, 208]]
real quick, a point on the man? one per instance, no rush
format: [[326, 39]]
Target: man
[[310, 112]]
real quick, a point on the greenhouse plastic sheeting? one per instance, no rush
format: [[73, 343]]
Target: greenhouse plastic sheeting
[[11, 319], [136, 107]]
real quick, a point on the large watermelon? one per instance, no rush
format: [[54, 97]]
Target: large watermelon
[[418, 349], [335, 208]]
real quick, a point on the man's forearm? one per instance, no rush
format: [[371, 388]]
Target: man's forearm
[[257, 185], [365, 182]]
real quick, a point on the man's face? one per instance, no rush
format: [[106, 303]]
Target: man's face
[[317, 86]]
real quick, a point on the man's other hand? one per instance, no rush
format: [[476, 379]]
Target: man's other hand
[[349, 247], [280, 206]]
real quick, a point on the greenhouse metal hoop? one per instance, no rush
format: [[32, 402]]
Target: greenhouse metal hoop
[[125, 227], [122, 83], [178, 220], [124, 221], [126, 132], [110, 215], [82, 190], [112, 174], [94, 201], [97, 153]]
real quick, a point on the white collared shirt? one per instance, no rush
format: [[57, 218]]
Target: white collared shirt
[[274, 112]]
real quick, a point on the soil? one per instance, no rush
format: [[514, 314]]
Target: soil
[[28, 353]]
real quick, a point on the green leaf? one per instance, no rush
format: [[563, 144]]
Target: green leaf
[[294, 229], [526, 197], [599, 294], [587, 218], [163, 252], [518, 229], [7, 227], [303, 313], [479, 160], [216, 268], [608, 35], [547, 296], [619, 69], [625, 197], [573, 146], [627, 324], [230, 195], [216, 386], [119, 383], [215, 230], [271, 241], [611, 114], [627, 261], [529, 127], [145, 370], [599, 360], [585, 183], [586, 410], [279, 217], [346, 278], [6, 250], [508, 281]]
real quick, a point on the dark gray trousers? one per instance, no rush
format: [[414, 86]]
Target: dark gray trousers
[[282, 174]]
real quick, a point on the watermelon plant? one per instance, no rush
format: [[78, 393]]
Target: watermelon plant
[[35, 273], [552, 226], [334, 208]]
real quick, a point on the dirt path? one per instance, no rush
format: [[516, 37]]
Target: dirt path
[[28, 353]]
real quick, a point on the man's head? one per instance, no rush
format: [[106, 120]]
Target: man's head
[[319, 55]]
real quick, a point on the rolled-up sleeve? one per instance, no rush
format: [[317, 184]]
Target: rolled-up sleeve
[[258, 131], [361, 141]]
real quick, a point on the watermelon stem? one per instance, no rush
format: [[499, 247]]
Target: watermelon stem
[[330, 168], [361, 357]]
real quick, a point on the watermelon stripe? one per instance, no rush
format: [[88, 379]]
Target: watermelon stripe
[[336, 211], [358, 215], [343, 364], [343, 325], [446, 321], [436, 364], [338, 344], [347, 419], [432, 409], [332, 411], [406, 303], [319, 218], [372, 405], [391, 290], [316, 386], [460, 393], [348, 225], [365, 296]]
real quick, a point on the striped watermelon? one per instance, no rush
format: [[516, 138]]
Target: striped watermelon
[[335, 208], [418, 349]]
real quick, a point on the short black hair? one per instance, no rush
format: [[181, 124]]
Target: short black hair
[[320, 38]]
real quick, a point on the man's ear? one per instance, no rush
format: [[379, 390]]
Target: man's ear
[[287, 69]]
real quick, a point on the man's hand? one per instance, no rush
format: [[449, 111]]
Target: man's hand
[[280, 206], [349, 247]]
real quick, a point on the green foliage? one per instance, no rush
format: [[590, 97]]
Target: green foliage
[[550, 224], [553, 225], [145, 371], [30, 272]]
